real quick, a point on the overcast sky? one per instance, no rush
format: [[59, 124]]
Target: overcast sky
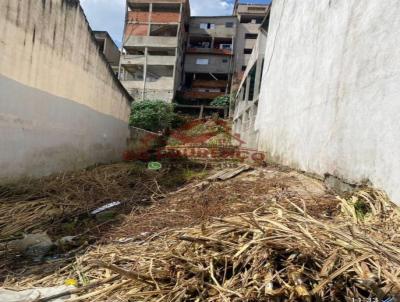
[[109, 15]]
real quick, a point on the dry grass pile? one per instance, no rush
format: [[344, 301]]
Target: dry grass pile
[[39, 204], [275, 253]]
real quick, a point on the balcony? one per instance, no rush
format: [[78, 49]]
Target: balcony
[[201, 95], [209, 84], [210, 45], [151, 60], [136, 41], [214, 51]]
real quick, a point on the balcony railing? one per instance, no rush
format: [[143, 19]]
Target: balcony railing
[[216, 51], [209, 84], [202, 95]]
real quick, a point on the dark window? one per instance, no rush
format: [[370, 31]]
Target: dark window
[[256, 8], [247, 51], [224, 60], [250, 36], [244, 67], [207, 25], [229, 24]]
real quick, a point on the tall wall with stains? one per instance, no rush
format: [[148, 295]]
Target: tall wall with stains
[[61, 107], [330, 96]]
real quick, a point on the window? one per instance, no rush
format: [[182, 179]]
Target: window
[[225, 46], [229, 24], [163, 30], [202, 61], [207, 26], [250, 36], [244, 67], [252, 8], [224, 60], [247, 51]]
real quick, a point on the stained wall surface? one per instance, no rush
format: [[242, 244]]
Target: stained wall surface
[[61, 106], [330, 96]]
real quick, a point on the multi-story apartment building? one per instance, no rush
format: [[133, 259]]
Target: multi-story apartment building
[[166, 51], [209, 58], [108, 48], [249, 16], [153, 47]]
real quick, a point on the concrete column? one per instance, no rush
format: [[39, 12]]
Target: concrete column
[[257, 84], [144, 73], [149, 18], [243, 127], [201, 111], [175, 66], [124, 38], [248, 80]]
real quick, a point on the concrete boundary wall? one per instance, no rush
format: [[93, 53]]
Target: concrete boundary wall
[[330, 98], [61, 107]]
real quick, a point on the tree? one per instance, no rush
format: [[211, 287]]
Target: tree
[[152, 115], [220, 101]]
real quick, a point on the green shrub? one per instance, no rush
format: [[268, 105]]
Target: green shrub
[[152, 115], [220, 101], [178, 121]]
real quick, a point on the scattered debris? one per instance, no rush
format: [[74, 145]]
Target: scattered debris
[[275, 253], [229, 173], [106, 207], [35, 294], [338, 186], [155, 166], [31, 246], [261, 234]]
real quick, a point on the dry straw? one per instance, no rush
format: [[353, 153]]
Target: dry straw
[[272, 254]]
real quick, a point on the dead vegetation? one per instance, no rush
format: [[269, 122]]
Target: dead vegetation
[[270, 254], [274, 236]]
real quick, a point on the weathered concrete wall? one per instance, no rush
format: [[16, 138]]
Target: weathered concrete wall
[[220, 30], [111, 51], [61, 107], [216, 63], [330, 94], [242, 43]]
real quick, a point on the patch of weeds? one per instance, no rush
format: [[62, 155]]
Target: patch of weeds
[[69, 227], [190, 175], [362, 209], [106, 216]]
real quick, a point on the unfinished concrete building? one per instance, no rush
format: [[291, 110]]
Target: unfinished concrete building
[[153, 47], [247, 97], [109, 49], [249, 16], [209, 58]]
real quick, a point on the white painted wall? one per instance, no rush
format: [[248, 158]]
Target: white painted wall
[[330, 98], [61, 107]]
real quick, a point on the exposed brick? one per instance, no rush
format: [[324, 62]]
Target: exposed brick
[[165, 17], [138, 16], [136, 30]]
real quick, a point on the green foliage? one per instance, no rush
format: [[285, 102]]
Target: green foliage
[[178, 121], [362, 209], [152, 115], [220, 101]]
